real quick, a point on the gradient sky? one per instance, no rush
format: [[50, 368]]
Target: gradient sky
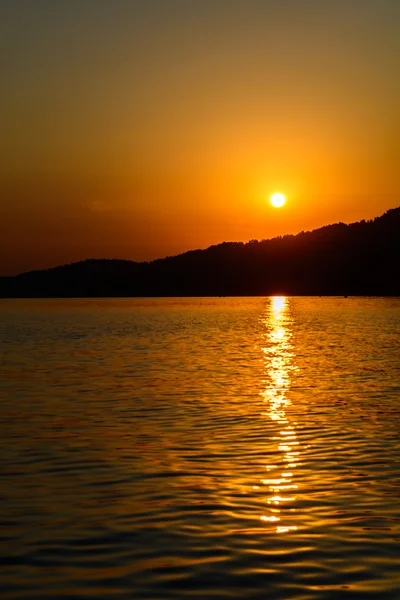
[[143, 128]]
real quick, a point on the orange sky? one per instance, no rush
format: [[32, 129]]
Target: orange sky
[[141, 129]]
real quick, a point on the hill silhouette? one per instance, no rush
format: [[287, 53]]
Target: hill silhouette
[[357, 259]]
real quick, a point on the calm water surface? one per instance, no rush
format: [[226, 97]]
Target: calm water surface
[[200, 448]]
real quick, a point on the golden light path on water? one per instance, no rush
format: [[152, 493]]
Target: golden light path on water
[[278, 357]]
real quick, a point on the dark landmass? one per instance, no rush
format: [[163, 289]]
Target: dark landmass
[[357, 259]]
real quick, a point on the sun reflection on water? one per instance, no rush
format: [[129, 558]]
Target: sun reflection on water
[[278, 355]]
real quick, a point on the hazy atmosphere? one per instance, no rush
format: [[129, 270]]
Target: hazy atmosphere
[[139, 129], [200, 299]]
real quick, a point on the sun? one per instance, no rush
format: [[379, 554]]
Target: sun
[[277, 200]]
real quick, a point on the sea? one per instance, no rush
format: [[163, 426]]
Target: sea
[[200, 448]]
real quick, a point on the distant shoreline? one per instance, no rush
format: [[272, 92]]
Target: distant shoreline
[[359, 259]]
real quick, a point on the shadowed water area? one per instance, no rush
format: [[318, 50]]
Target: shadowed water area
[[200, 448]]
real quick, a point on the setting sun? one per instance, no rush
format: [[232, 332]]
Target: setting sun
[[277, 200]]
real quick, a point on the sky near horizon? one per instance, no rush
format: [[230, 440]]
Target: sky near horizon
[[144, 128]]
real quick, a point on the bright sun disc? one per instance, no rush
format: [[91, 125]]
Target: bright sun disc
[[277, 200]]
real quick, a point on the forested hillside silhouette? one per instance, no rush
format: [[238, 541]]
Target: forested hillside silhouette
[[357, 259]]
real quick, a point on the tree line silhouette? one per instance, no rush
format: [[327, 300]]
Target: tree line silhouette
[[357, 259]]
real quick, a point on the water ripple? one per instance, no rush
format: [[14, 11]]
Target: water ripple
[[191, 448]]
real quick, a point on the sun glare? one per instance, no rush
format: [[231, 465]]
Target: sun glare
[[277, 200]]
